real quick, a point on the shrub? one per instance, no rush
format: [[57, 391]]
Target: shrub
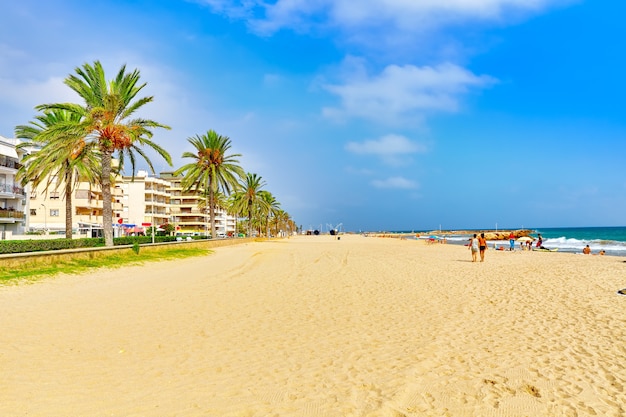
[[34, 245]]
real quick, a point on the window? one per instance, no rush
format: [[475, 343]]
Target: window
[[54, 212], [33, 212], [83, 194], [54, 195], [33, 194]]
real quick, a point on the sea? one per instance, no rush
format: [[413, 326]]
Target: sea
[[566, 239]]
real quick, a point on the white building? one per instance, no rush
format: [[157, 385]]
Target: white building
[[12, 195], [145, 201], [188, 217]]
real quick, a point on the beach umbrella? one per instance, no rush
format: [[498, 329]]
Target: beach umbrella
[[525, 239]]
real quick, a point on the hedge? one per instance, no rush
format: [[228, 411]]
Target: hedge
[[34, 245]]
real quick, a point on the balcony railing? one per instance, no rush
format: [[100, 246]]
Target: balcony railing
[[9, 163], [11, 189], [11, 214]]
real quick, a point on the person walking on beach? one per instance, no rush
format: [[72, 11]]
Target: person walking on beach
[[512, 241], [482, 246], [473, 246]]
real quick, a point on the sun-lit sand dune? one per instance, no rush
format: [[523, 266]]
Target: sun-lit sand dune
[[315, 326]]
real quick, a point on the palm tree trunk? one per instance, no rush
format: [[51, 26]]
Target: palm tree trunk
[[107, 209], [250, 220], [212, 207], [68, 202]]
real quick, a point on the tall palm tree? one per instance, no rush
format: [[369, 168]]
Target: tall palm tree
[[63, 156], [211, 169], [105, 119], [249, 199]]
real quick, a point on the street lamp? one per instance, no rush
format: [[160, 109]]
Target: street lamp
[[152, 212], [45, 218]]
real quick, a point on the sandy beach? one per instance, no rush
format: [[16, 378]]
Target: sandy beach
[[315, 326]]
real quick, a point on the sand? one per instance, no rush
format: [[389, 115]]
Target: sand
[[314, 326]]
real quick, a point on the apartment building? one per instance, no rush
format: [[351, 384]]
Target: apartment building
[[12, 195], [145, 202], [47, 208], [137, 204], [186, 215]]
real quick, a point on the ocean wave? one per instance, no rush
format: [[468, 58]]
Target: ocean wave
[[579, 244]]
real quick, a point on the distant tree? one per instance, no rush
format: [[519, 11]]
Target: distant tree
[[248, 200], [168, 228], [269, 209]]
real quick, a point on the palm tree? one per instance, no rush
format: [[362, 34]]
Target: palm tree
[[219, 202], [281, 221], [211, 169], [60, 156], [249, 199], [105, 119], [269, 209]]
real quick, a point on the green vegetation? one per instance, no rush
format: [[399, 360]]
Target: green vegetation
[[249, 199], [62, 155], [33, 272], [103, 126], [212, 168], [21, 246], [72, 143]]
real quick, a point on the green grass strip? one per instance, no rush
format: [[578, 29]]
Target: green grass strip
[[34, 272]]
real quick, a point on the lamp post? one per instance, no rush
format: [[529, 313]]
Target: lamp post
[[152, 212], [45, 218]]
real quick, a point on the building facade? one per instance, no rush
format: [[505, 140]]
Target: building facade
[[12, 194], [47, 208], [138, 202], [188, 214], [145, 202]]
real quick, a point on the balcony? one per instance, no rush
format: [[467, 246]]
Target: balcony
[[12, 189], [9, 163], [10, 214], [88, 204], [187, 211]]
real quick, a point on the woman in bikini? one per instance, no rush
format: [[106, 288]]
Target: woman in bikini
[[482, 246]]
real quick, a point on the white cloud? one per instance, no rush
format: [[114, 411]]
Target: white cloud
[[34, 92], [390, 148], [401, 94], [387, 145], [406, 15], [395, 182]]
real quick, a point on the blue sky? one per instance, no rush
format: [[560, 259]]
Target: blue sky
[[377, 114]]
